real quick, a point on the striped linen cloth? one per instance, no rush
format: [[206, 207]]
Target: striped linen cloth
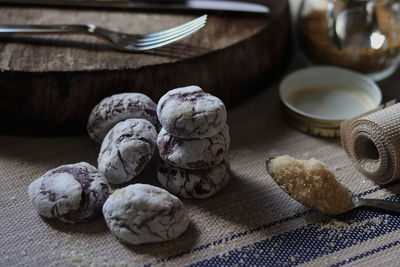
[[250, 222]]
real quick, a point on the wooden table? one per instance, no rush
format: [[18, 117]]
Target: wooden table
[[50, 83]]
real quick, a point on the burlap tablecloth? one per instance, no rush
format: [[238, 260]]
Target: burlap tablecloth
[[250, 222]]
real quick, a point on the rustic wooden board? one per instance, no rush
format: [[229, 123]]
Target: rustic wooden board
[[49, 83]]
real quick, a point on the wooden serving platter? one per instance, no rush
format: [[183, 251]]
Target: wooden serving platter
[[50, 83]]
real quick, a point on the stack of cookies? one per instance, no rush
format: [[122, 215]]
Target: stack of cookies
[[193, 143]]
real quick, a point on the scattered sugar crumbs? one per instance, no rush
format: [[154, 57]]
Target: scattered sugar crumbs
[[311, 183], [81, 259], [338, 228], [336, 224], [69, 245]]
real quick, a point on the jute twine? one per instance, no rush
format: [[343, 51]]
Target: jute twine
[[372, 142]]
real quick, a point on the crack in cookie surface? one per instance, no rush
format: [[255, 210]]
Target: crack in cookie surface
[[117, 108], [70, 193], [142, 213], [192, 153], [189, 112], [127, 149], [200, 183]]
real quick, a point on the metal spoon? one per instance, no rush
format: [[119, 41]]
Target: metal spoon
[[357, 202], [355, 26]]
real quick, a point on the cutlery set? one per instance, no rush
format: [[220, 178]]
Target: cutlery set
[[132, 42], [118, 40]]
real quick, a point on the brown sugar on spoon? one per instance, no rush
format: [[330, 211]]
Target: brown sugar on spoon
[[311, 183]]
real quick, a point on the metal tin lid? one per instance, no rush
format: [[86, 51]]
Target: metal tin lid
[[316, 99]]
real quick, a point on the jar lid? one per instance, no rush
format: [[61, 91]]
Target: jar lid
[[316, 99]]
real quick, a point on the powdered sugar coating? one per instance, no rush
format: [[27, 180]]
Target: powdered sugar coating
[[119, 107], [202, 183], [189, 112], [193, 153], [142, 213], [126, 150], [70, 193]]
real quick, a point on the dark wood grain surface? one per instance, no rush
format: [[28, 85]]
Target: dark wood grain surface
[[49, 83]]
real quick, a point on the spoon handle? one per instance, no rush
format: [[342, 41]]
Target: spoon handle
[[379, 203]]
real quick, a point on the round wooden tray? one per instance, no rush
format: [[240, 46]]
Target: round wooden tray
[[50, 83]]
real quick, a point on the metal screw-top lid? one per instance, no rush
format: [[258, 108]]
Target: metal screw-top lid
[[316, 99]]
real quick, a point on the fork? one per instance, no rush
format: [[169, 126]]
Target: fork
[[120, 41]]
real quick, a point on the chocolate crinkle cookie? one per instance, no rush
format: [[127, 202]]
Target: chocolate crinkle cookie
[[126, 150], [143, 213], [119, 107], [194, 153], [202, 183], [189, 112], [70, 193]]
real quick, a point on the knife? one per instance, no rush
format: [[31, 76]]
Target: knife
[[235, 6]]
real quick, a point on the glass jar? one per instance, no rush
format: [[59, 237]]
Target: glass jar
[[357, 34]]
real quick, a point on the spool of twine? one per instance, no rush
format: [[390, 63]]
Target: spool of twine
[[372, 142]]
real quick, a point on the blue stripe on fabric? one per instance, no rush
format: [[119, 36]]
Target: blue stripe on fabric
[[257, 229], [368, 253], [308, 242], [230, 238], [373, 190]]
